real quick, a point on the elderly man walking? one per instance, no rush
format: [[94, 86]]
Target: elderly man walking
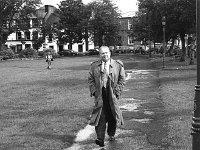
[[106, 81]]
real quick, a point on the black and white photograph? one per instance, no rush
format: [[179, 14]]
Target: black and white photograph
[[99, 74]]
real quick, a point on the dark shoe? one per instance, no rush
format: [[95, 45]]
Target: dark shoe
[[111, 138], [99, 142]]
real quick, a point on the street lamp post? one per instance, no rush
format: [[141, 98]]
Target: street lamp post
[[196, 117], [164, 47]]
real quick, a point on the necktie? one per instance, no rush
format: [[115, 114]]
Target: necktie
[[106, 68], [105, 75]]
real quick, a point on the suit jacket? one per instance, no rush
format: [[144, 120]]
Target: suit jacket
[[116, 81]]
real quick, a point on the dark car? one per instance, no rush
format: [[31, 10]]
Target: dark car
[[93, 52], [119, 51], [140, 50], [68, 52]]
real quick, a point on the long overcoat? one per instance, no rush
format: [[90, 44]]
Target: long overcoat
[[116, 79]]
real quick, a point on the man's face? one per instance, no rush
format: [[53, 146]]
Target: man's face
[[104, 53]]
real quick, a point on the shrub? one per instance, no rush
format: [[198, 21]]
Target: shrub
[[52, 51], [6, 53], [49, 50], [41, 53], [28, 53]]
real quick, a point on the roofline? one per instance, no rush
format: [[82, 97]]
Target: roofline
[[125, 17]]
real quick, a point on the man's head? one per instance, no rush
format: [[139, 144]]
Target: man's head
[[104, 53]]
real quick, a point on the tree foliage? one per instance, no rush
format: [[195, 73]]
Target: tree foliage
[[97, 20], [105, 22], [147, 25], [180, 19], [71, 13], [14, 15], [6, 53]]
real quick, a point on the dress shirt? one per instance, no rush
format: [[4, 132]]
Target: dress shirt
[[107, 65]]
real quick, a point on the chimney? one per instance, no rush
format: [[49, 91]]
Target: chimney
[[46, 8]]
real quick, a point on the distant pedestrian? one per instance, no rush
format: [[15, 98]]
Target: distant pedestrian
[[49, 58], [106, 81]]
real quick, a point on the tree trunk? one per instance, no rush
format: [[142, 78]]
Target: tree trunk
[[183, 52], [86, 39], [70, 45]]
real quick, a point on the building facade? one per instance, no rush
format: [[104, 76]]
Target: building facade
[[19, 40], [125, 31]]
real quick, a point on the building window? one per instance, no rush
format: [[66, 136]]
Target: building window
[[50, 39], [5, 24], [44, 45], [69, 46], [13, 47], [80, 48], [130, 40], [60, 48], [27, 45], [27, 35], [35, 35], [19, 36], [129, 25], [40, 22], [19, 47], [52, 47], [35, 23]]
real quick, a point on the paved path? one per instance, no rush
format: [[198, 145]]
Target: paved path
[[149, 123], [140, 108]]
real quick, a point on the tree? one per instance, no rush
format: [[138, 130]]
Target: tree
[[105, 23], [46, 30], [180, 15], [14, 15], [181, 20], [76, 22], [147, 24], [70, 12]]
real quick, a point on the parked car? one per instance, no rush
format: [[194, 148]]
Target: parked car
[[86, 53], [92, 52], [120, 51], [68, 52], [140, 50]]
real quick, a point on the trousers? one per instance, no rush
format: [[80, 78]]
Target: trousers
[[106, 118]]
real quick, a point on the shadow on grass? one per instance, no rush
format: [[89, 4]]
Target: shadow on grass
[[67, 140], [83, 113], [70, 82], [178, 78], [84, 67]]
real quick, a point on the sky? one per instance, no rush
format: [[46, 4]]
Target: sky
[[127, 7]]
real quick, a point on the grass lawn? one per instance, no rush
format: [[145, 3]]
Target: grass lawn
[[43, 109]]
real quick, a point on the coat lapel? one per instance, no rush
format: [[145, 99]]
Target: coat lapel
[[111, 74], [99, 69]]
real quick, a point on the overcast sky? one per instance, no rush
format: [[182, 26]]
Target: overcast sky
[[127, 7]]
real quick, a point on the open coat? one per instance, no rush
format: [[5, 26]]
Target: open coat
[[116, 81]]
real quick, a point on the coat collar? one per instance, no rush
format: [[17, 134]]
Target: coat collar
[[112, 61]]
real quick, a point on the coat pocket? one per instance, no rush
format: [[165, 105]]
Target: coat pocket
[[95, 115]]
